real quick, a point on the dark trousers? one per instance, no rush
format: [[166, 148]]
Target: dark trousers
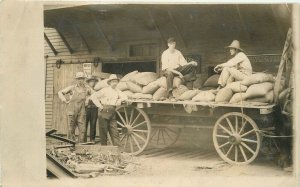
[[91, 117], [110, 126], [188, 72]]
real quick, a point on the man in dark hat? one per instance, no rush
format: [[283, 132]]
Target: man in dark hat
[[91, 111], [237, 68], [174, 64], [106, 100]]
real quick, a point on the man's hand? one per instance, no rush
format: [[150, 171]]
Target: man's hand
[[64, 100], [217, 68], [180, 75], [194, 63]]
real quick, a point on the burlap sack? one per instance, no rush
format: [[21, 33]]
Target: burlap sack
[[268, 98], [101, 84], [188, 95], [177, 82], [160, 93], [204, 96], [177, 92], [238, 97], [212, 81], [257, 78], [258, 90], [128, 93], [128, 76], [144, 78], [134, 87], [150, 88], [236, 87], [224, 95], [162, 82], [122, 86], [141, 96]]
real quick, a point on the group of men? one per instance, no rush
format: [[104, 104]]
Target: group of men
[[87, 106]]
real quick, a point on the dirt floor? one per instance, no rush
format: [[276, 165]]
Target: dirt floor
[[193, 161]]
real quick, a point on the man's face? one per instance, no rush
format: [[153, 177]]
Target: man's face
[[114, 83], [92, 83], [80, 80], [232, 51], [172, 45]]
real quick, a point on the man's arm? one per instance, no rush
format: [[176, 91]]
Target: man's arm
[[232, 62], [94, 97], [61, 93]]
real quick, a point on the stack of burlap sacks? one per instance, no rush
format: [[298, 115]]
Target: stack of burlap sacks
[[147, 85]]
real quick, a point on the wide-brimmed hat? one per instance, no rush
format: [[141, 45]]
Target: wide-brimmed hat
[[80, 75], [91, 78], [112, 77], [235, 44]]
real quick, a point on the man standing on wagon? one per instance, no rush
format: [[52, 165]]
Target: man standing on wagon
[[174, 64], [106, 100], [76, 106], [237, 68]]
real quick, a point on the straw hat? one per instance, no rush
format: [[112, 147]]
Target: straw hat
[[79, 75], [112, 77], [235, 44]]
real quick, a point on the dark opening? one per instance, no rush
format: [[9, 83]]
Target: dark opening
[[124, 68]]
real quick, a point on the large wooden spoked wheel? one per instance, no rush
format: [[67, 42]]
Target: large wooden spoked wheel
[[134, 129], [236, 138], [163, 137]]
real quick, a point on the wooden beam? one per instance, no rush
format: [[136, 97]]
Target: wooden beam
[[50, 44], [65, 41], [156, 26], [82, 37], [242, 21], [176, 28], [100, 30]]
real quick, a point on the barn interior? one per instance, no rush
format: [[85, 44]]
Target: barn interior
[[121, 38]]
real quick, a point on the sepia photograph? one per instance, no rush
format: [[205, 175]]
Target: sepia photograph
[[168, 90]]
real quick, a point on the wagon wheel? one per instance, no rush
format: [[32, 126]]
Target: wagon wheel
[[134, 128], [236, 138], [162, 136]]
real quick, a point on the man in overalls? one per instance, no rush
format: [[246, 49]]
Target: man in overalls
[[106, 100], [76, 106], [91, 111]]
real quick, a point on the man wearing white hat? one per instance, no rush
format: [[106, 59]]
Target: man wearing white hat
[[106, 100], [76, 106], [235, 69]]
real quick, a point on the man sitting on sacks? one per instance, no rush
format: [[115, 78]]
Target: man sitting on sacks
[[173, 63], [106, 100], [235, 69]]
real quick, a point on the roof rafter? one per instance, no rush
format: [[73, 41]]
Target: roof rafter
[[50, 44], [176, 28]]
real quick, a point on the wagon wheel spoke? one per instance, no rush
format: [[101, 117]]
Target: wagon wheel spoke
[[247, 147], [121, 139], [243, 153], [121, 117], [162, 134], [131, 116], [154, 133], [171, 130], [226, 130], [236, 124], [126, 117], [229, 150], [120, 124], [168, 134], [230, 125], [222, 136], [136, 142], [236, 153], [119, 129], [131, 146], [139, 136], [139, 124], [158, 137], [243, 126], [136, 118], [126, 142], [248, 140], [245, 134], [223, 145], [135, 130]]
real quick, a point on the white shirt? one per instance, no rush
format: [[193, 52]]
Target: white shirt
[[108, 96], [241, 61], [172, 60]]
